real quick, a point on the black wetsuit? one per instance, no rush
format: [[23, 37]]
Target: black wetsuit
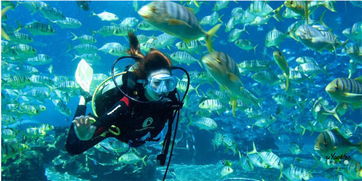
[[127, 120]]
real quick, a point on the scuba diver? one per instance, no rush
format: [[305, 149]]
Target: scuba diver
[[134, 108]]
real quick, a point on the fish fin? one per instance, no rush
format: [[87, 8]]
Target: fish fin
[[359, 79], [360, 147], [321, 19], [233, 77], [255, 48], [254, 149], [330, 6], [5, 35], [306, 12], [219, 19], [209, 35], [286, 82], [304, 129], [178, 22], [357, 105], [143, 160], [3, 11], [196, 3], [354, 95], [277, 16], [233, 106]]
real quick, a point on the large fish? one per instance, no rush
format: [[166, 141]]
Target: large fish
[[346, 90], [176, 20], [224, 70], [333, 142]]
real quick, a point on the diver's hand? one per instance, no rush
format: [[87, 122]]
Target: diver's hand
[[83, 127]]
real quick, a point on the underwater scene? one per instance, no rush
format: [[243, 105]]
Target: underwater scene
[[181, 90]]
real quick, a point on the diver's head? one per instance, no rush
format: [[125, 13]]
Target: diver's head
[[157, 69]]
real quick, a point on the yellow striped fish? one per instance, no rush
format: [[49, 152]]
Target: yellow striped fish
[[226, 73], [346, 90], [176, 20]]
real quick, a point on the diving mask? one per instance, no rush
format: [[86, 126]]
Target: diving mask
[[162, 83]]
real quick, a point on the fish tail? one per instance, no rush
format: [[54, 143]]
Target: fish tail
[[209, 35], [197, 92], [254, 149], [287, 81], [334, 113], [233, 106], [277, 16], [74, 36]]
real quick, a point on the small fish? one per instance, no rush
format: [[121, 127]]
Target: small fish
[[68, 22], [62, 107], [176, 20], [266, 77], [211, 19], [235, 34], [106, 16], [260, 8], [130, 22], [219, 5], [253, 65], [24, 50], [183, 58], [226, 170], [296, 173], [20, 37], [283, 65], [332, 142], [346, 90], [194, 46], [205, 123], [84, 38], [355, 32], [143, 25], [114, 48], [131, 158], [274, 38], [264, 159], [37, 28], [245, 44], [51, 13], [40, 59], [85, 48], [211, 105]]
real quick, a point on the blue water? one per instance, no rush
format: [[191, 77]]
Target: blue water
[[195, 158]]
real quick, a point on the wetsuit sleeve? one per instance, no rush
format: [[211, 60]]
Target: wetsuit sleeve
[[117, 113], [75, 146]]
